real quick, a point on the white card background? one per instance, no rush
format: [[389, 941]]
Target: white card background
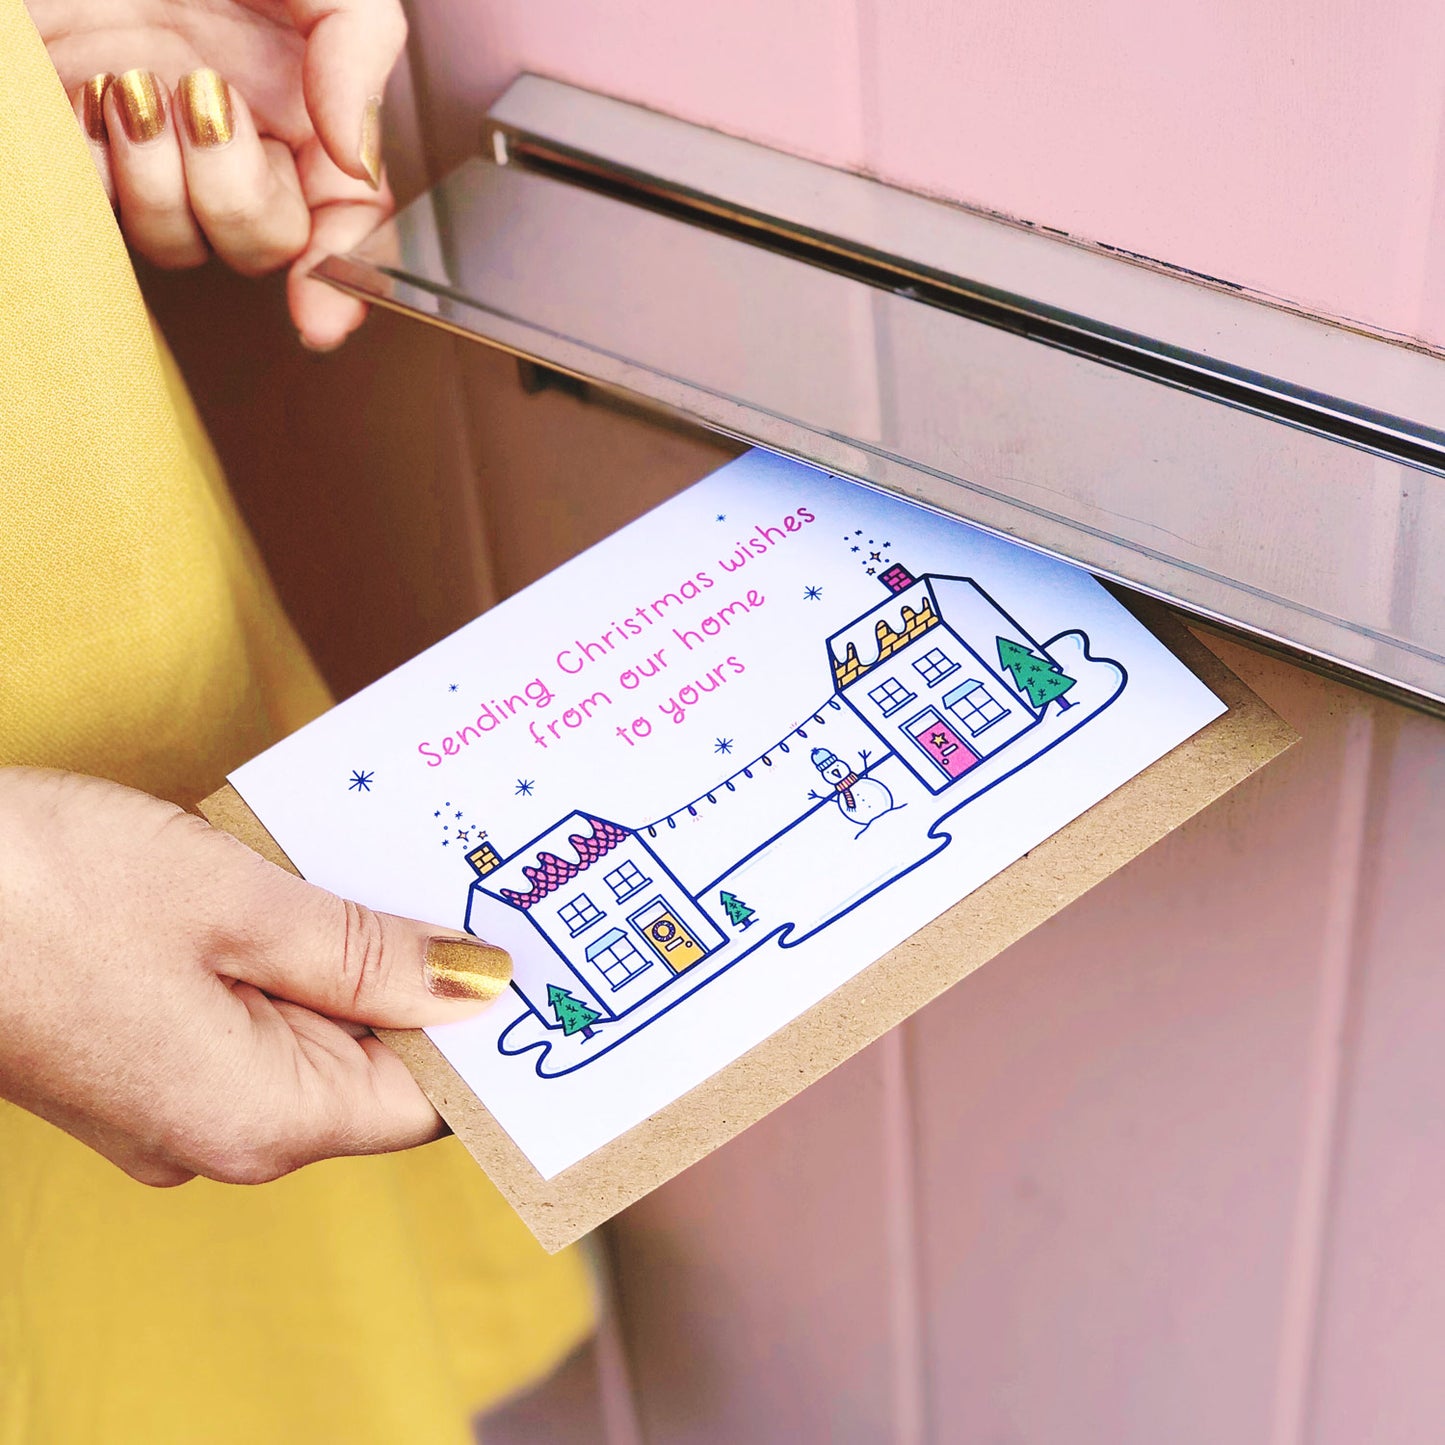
[[372, 802]]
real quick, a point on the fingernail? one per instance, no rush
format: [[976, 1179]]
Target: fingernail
[[92, 105], [371, 141], [205, 101], [142, 106], [466, 968]]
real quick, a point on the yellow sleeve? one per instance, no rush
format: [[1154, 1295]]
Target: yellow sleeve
[[367, 1300], [142, 640]]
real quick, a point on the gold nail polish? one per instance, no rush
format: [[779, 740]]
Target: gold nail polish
[[371, 141], [466, 968], [92, 105], [142, 105], [204, 98]]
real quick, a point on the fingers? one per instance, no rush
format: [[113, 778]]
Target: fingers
[[350, 962], [190, 173], [351, 47], [89, 105], [304, 1089], [307, 1091], [343, 214], [324, 316], [306, 946], [149, 174], [243, 191], [340, 1095], [191, 169]]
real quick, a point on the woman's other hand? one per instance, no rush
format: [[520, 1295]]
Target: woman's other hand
[[247, 127], [171, 999]]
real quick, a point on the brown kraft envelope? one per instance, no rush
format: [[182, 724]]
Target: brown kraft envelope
[[1030, 890]]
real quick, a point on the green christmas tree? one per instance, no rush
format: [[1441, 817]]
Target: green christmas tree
[[738, 912], [1041, 679], [574, 1015]]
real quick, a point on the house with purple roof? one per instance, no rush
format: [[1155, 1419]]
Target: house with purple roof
[[607, 905]]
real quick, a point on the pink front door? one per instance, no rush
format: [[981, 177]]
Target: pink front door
[[939, 740]]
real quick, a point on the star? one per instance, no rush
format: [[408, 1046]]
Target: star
[[437, 814], [524, 787], [722, 516], [871, 570], [855, 549], [938, 740], [360, 782], [875, 556], [452, 688], [459, 816], [723, 745], [812, 593], [464, 835]]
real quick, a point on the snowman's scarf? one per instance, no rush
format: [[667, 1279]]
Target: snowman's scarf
[[845, 786]]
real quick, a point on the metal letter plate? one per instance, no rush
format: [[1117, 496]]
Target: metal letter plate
[[1259, 469]]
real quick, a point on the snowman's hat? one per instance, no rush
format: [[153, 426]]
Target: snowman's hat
[[823, 758]]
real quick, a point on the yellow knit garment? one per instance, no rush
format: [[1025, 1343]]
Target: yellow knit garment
[[361, 1300]]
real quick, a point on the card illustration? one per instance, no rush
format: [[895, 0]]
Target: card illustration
[[935, 696], [711, 769]]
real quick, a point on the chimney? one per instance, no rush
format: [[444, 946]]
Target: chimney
[[484, 859], [897, 578]]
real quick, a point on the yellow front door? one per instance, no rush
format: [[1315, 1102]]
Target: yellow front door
[[670, 938]]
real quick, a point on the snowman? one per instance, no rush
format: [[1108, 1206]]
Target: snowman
[[861, 800]]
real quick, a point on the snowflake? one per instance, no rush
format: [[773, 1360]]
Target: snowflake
[[812, 593], [723, 745], [524, 787], [360, 782]]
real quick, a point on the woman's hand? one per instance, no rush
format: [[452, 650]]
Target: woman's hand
[[169, 998], [247, 127]]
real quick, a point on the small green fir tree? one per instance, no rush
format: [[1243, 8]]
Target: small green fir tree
[[1042, 680], [574, 1015], [738, 912]]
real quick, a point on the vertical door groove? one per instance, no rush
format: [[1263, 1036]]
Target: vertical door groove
[[900, 1214], [1323, 1093], [617, 1403]]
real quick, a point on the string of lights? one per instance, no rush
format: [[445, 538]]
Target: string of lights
[[745, 773]]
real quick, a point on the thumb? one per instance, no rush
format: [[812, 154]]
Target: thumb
[[351, 47], [348, 961]]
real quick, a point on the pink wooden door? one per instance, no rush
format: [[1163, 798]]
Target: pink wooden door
[[941, 743], [1171, 1169]]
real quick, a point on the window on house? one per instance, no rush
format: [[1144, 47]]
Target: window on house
[[580, 914], [625, 880], [974, 706], [935, 665], [616, 957], [890, 696]]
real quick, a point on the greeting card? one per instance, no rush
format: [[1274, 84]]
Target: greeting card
[[704, 775]]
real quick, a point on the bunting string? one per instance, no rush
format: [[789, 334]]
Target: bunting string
[[744, 773]]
